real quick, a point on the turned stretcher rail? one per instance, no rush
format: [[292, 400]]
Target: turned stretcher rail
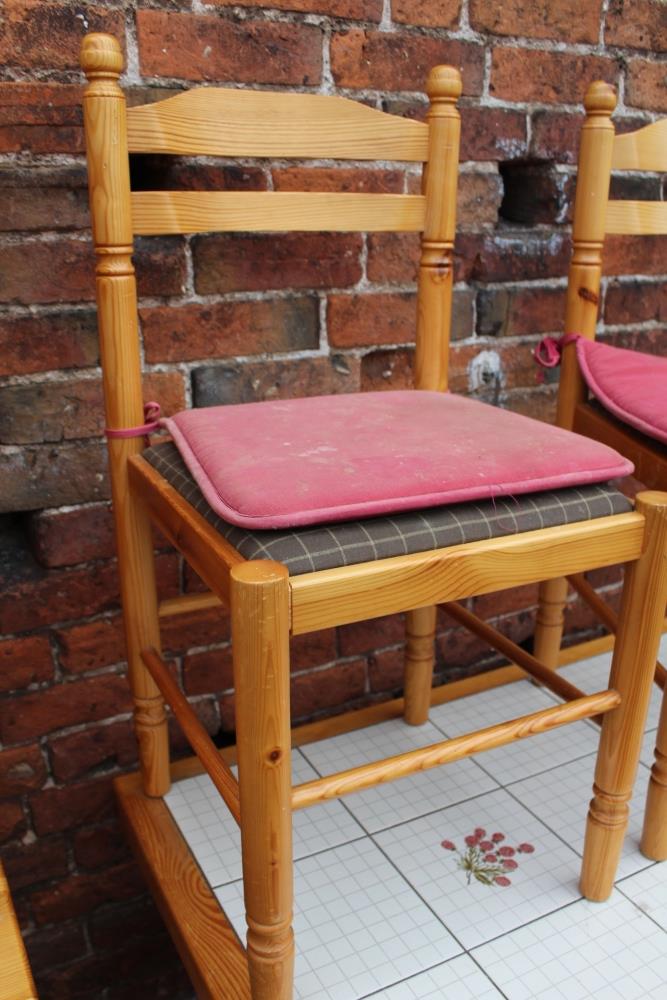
[[368, 775], [198, 738]]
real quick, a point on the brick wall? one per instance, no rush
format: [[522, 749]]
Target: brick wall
[[294, 314]]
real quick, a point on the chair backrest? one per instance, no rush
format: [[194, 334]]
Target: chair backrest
[[226, 122], [597, 215]]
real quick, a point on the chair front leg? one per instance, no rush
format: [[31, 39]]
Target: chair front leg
[[419, 658], [633, 665], [654, 835], [552, 596], [260, 644]]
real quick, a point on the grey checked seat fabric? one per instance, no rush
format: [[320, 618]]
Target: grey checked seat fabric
[[325, 546]]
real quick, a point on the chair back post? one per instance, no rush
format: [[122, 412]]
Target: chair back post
[[436, 264], [588, 230], [109, 184]]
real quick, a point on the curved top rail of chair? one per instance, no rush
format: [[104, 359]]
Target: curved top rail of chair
[[218, 121], [644, 149]]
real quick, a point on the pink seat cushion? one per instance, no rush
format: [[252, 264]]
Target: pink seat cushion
[[631, 385], [334, 458]]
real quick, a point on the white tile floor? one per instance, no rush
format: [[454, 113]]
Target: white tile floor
[[384, 910]]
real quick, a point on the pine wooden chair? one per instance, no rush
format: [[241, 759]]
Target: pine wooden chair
[[270, 601], [610, 394], [16, 982]]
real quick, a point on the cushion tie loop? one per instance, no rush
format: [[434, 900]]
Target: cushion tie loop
[[152, 422], [549, 350]]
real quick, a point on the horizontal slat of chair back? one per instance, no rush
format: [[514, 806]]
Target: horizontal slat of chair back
[[645, 149], [637, 218], [216, 121], [159, 213]]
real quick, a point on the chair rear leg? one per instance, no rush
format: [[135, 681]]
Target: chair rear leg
[[136, 568], [419, 659], [654, 835], [640, 622], [260, 645], [552, 596]]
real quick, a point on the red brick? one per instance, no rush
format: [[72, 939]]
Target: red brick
[[21, 770], [506, 602], [275, 380], [493, 134], [47, 342], [515, 256], [228, 329], [43, 198], [49, 475], [329, 688], [456, 651], [539, 403], [55, 945], [516, 312], [64, 538], [637, 24], [135, 919], [25, 661], [192, 47], [41, 117], [555, 135], [92, 645], [199, 628], [58, 809], [537, 194], [12, 819], [393, 258], [23, 718], [386, 670], [241, 262], [100, 846], [46, 597], [208, 671], [478, 200], [66, 270], [361, 10], [565, 21], [83, 893], [382, 61], [206, 710], [159, 173], [443, 14], [364, 637], [551, 77], [62, 411], [359, 320], [387, 370], [313, 649], [356, 179], [627, 255], [49, 35], [635, 302], [29, 864], [646, 85], [91, 749]]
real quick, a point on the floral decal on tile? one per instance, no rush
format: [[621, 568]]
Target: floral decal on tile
[[486, 858]]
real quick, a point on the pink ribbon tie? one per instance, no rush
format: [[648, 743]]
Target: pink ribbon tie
[[549, 350], [152, 422]]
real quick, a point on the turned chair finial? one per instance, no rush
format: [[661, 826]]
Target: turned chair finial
[[600, 98], [101, 56], [444, 84]]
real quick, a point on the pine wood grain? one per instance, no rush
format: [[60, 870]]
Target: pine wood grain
[[216, 121], [644, 149], [16, 981], [637, 218]]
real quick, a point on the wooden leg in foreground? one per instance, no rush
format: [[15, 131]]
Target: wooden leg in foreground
[[419, 657], [552, 595], [640, 622], [654, 835], [260, 644], [136, 567]]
